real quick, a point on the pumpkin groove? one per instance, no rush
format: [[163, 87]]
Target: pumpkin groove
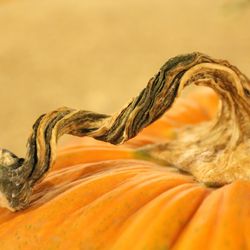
[[117, 213], [160, 213], [222, 220]]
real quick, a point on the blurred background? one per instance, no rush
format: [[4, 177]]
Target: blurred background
[[96, 55]]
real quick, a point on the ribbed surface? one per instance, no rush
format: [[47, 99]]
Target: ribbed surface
[[129, 204]]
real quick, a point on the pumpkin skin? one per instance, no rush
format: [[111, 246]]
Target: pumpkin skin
[[100, 196]]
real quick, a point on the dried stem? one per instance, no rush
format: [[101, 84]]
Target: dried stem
[[203, 151]]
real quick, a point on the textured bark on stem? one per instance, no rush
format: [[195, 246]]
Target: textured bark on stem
[[214, 153]]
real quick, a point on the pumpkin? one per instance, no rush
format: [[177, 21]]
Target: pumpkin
[[133, 196]]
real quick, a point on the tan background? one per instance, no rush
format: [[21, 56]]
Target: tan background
[[97, 54]]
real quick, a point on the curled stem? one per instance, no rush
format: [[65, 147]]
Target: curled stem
[[205, 155]]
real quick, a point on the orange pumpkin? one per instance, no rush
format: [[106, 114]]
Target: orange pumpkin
[[100, 196]]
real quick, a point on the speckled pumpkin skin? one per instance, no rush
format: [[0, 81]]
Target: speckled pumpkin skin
[[100, 196]]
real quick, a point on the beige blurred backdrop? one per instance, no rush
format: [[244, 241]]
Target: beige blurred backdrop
[[96, 55]]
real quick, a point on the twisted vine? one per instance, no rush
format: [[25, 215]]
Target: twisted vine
[[19, 175]]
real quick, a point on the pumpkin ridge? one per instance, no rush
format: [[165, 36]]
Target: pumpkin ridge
[[178, 197], [233, 199], [217, 217], [130, 181], [187, 185], [172, 245], [12, 224], [93, 176], [200, 228], [143, 182], [136, 219]]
